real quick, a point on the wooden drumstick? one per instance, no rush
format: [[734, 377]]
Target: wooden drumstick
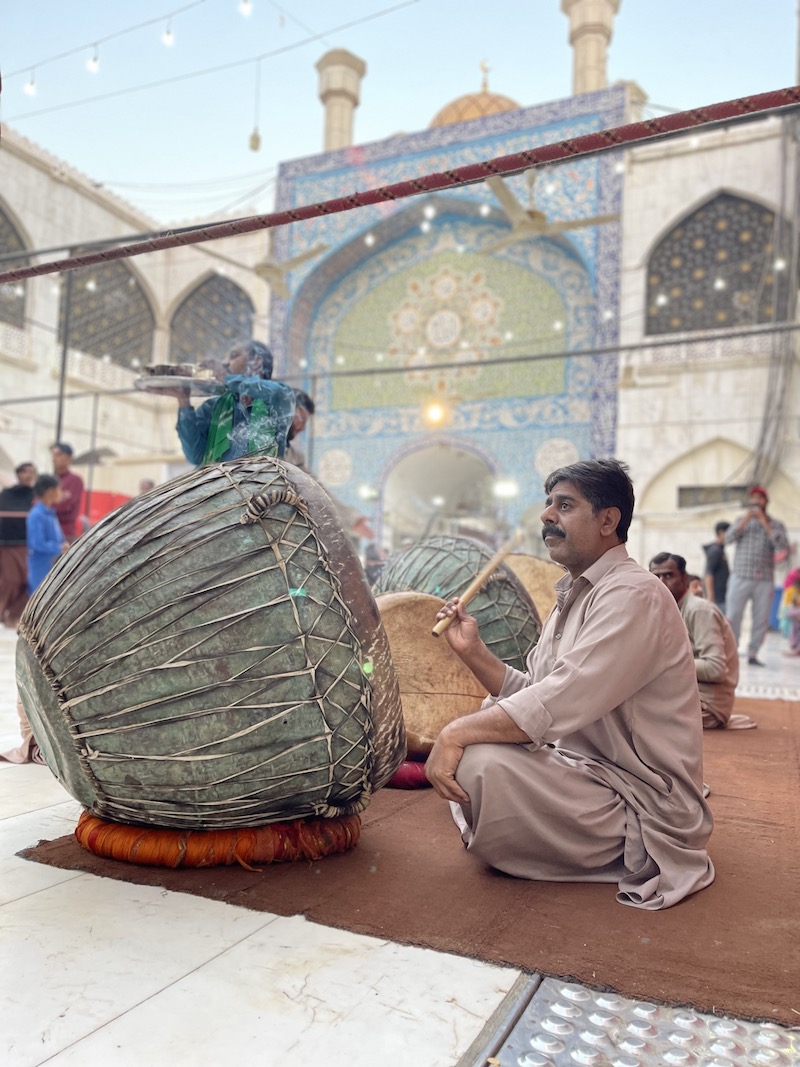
[[475, 586]]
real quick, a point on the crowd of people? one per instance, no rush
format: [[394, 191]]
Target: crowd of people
[[39, 519]]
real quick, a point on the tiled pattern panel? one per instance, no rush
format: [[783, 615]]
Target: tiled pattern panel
[[569, 1026]]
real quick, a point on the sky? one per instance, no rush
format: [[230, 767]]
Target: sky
[[167, 127]]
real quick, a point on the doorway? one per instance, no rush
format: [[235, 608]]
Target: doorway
[[441, 489]]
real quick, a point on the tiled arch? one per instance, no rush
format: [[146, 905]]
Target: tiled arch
[[213, 316], [110, 316], [723, 265], [12, 294]]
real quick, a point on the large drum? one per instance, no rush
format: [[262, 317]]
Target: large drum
[[435, 684], [444, 567], [211, 656]]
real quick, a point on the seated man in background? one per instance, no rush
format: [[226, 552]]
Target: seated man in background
[[716, 659]]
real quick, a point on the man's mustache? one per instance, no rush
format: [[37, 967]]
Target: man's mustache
[[551, 530]]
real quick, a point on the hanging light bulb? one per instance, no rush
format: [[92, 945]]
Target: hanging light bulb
[[245, 8], [255, 136], [168, 37], [93, 64], [30, 86]]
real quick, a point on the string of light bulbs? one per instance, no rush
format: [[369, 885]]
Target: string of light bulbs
[[93, 64], [310, 39]]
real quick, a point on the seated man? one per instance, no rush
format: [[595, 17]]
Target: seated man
[[588, 768], [716, 659]]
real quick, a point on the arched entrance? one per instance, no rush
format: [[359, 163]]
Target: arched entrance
[[443, 488]]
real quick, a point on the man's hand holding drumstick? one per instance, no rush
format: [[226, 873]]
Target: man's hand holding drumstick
[[489, 725]]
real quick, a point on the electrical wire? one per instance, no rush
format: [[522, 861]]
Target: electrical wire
[[102, 40], [211, 70]]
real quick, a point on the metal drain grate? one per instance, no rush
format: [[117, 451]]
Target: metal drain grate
[[568, 1025]]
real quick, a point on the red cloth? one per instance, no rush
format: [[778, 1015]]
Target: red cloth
[[409, 775]]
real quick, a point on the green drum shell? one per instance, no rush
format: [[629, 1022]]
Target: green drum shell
[[445, 566], [210, 656]]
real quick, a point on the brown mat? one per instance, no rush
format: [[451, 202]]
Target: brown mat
[[731, 949]]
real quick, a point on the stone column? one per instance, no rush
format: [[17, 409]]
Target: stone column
[[340, 74], [591, 23]]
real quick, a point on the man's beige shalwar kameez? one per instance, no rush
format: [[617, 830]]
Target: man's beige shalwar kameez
[[716, 658], [610, 789]]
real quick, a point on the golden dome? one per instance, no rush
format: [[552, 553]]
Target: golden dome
[[474, 106]]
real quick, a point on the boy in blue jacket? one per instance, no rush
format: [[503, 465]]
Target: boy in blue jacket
[[45, 539]]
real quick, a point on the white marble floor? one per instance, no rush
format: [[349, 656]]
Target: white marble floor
[[96, 971]]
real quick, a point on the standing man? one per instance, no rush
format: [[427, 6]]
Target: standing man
[[716, 660], [15, 503], [253, 413], [717, 569], [69, 506], [756, 536], [588, 768]]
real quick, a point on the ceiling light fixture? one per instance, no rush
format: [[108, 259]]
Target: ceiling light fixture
[[505, 489]]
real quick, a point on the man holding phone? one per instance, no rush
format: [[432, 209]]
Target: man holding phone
[[757, 537]]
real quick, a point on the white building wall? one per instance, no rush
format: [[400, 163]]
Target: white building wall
[[50, 204], [691, 414]]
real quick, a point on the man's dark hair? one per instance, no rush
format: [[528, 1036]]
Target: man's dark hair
[[22, 467], [722, 527], [665, 557], [254, 350], [43, 483], [303, 400], [605, 483], [62, 446]]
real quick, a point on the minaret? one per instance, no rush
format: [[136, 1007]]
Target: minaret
[[591, 23], [340, 74]]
